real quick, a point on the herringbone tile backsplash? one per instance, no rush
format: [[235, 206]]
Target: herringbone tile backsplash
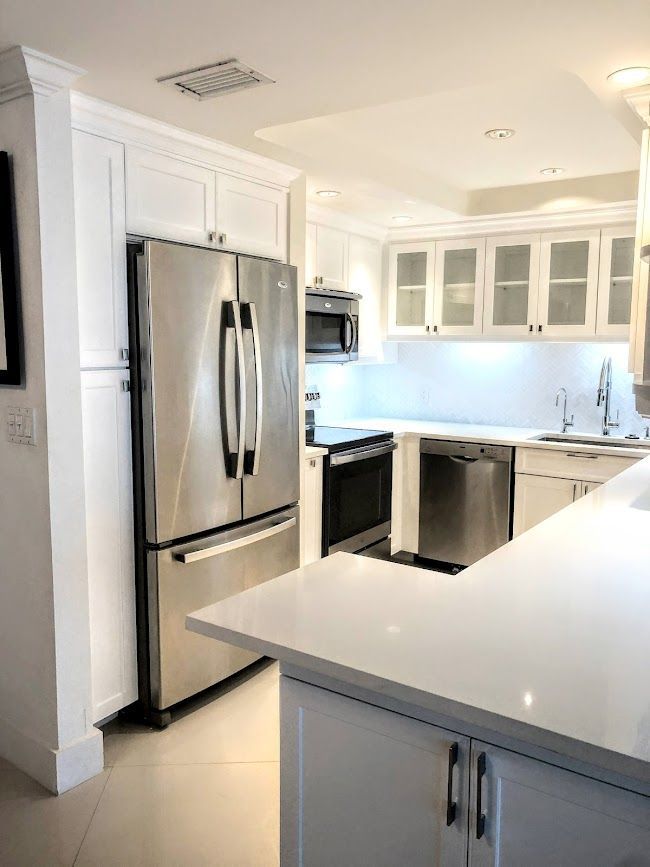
[[483, 383]]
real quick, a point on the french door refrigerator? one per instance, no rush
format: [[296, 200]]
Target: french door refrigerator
[[214, 348]]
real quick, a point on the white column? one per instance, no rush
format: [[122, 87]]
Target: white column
[[44, 622]]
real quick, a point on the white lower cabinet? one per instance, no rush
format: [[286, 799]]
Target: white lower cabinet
[[539, 497], [526, 812], [406, 495], [109, 536], [312, 509]]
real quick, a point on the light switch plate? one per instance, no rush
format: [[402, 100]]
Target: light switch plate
[[21, 425]]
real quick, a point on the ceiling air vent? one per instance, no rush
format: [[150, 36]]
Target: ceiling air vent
[[206, 82]]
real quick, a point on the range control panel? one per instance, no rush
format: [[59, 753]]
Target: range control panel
[[21, 425]]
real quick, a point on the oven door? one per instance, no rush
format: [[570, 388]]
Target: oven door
[[358, 498], [331, 330]]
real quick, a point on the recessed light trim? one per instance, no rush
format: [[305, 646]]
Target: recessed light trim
[[630, 76], [552, 170], [401, 218], [328, 194], [499, 133]]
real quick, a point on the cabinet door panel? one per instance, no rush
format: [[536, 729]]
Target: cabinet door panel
[[459, 281], [615, 282], [511, 285], [542, 816], [168, 198], [312, 510], [252, 216], [410, 282], [361, 785], [109, 533], [568, 283], [539, 497], [332, 258], [311, 265], [100, 228], [365, 278]]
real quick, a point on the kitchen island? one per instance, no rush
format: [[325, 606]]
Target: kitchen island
[[500, 715]]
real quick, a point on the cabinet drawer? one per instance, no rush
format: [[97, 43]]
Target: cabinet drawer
[[588, 466]]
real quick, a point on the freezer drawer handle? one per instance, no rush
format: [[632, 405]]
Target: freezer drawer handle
[[249, 320], [233, 544], [362, 454], [237, 459]]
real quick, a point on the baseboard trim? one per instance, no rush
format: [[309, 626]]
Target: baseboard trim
[[57, 770]]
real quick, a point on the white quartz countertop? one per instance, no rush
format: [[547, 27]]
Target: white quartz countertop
[[315, 452], [546, 640]]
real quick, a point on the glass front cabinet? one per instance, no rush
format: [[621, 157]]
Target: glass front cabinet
[[511, 285], [568, 283], [458, 287], [410, 280], [615, 282]]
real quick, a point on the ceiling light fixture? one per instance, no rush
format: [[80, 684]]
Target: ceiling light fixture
[[630, 76], [499, 133], [552, 170], [328, 194], [401, 218]]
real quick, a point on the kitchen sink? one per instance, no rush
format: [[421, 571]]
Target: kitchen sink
[[609, 442]]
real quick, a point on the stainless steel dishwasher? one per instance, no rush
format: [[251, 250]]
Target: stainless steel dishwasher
[[465, 497]]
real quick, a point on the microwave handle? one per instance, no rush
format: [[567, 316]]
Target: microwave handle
[[353, 332]]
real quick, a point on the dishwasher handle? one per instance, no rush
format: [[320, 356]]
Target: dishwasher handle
[[463, 459]]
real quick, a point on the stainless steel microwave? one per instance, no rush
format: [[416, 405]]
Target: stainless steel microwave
[[332, 326]]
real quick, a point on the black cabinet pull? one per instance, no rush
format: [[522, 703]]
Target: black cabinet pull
[[530, 327], [480, 815], [451, 804], [539, 328]]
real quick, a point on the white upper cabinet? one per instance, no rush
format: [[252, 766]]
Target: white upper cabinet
[[169, 198], [251, 217], [365, 278], [568, 283], [615, 281], [511, 285], [101, 254], [410, 288], [458, 287], [327, 257]]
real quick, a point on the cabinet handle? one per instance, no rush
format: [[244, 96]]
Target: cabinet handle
[[427, 328], [582, 455], [575, 491], [126, 385], [530, 328], [480, 815], [435, 328], [223, 238], [539, 329], [124, 353], [451, 804]]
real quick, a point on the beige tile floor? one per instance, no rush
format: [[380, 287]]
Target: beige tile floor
[[205, 791]]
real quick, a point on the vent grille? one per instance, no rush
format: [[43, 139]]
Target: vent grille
[[206, 82]]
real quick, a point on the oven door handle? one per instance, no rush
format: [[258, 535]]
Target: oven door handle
[[362, 454]]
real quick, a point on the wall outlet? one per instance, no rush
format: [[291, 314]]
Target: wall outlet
[[21, 425]]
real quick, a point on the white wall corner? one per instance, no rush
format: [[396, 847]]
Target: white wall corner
[[24, 72]]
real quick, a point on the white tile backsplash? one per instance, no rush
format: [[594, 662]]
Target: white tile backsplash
[[484, 383]]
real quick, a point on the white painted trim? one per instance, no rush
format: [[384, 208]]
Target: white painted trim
[[110, 121], [517, 223], [24, 72], [638, 98], [57, 770], [346, 222]]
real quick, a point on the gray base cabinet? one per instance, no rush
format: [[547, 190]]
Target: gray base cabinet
[[365, 786]]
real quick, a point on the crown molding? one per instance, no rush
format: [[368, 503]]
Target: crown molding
[[346, 222], [129, 127], [522, 222], [25, 72], [638, 98]]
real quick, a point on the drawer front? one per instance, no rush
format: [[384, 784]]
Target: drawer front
[[588, 466]]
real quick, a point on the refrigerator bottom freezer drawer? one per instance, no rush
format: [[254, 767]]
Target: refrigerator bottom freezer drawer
[[191, 576]]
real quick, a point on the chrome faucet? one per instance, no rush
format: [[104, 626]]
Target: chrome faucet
[[603, 395], [566, 422]]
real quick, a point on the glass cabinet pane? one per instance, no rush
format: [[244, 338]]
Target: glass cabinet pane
[[411, 288], [567, 294], [459, 287], [511, 285], [620, 281]]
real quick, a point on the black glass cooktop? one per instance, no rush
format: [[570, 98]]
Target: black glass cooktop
[[335, 439]]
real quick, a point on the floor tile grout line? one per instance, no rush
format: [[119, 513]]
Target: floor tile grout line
[[101, 795], [194, 764]]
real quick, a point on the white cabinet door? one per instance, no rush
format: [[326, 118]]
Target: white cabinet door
[[169, 198], [526, 812], [312, 509], [311, 265], [100, 228], [331, 258], [458, 287], [615, 282], [410, 289], [365, 278], [568, 283], [109, 531], [511, 285], [251, 217], [364, 786], [539, 497]]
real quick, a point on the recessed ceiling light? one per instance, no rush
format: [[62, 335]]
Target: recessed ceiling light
[[328, 194], [552, 170], [630, 76], [499, 133], [401, 218], [410, 202]]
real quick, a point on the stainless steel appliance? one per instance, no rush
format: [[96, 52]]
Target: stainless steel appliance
[[332, 326], [215, 410], [465, 500], [357, 487]]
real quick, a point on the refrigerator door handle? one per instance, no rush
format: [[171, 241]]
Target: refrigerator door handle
[[237, 459], [233, 544], [252, 464]]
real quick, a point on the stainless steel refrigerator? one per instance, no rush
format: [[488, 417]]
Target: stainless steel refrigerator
[[214, 348]]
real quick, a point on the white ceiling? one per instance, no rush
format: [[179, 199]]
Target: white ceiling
[[385, 101]]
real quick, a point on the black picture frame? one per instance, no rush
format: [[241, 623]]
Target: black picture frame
[[10, 354]]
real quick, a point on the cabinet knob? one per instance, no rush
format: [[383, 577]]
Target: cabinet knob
[[124, 353], [126, 385], [539, 329], [427, 329], [312, 462]]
